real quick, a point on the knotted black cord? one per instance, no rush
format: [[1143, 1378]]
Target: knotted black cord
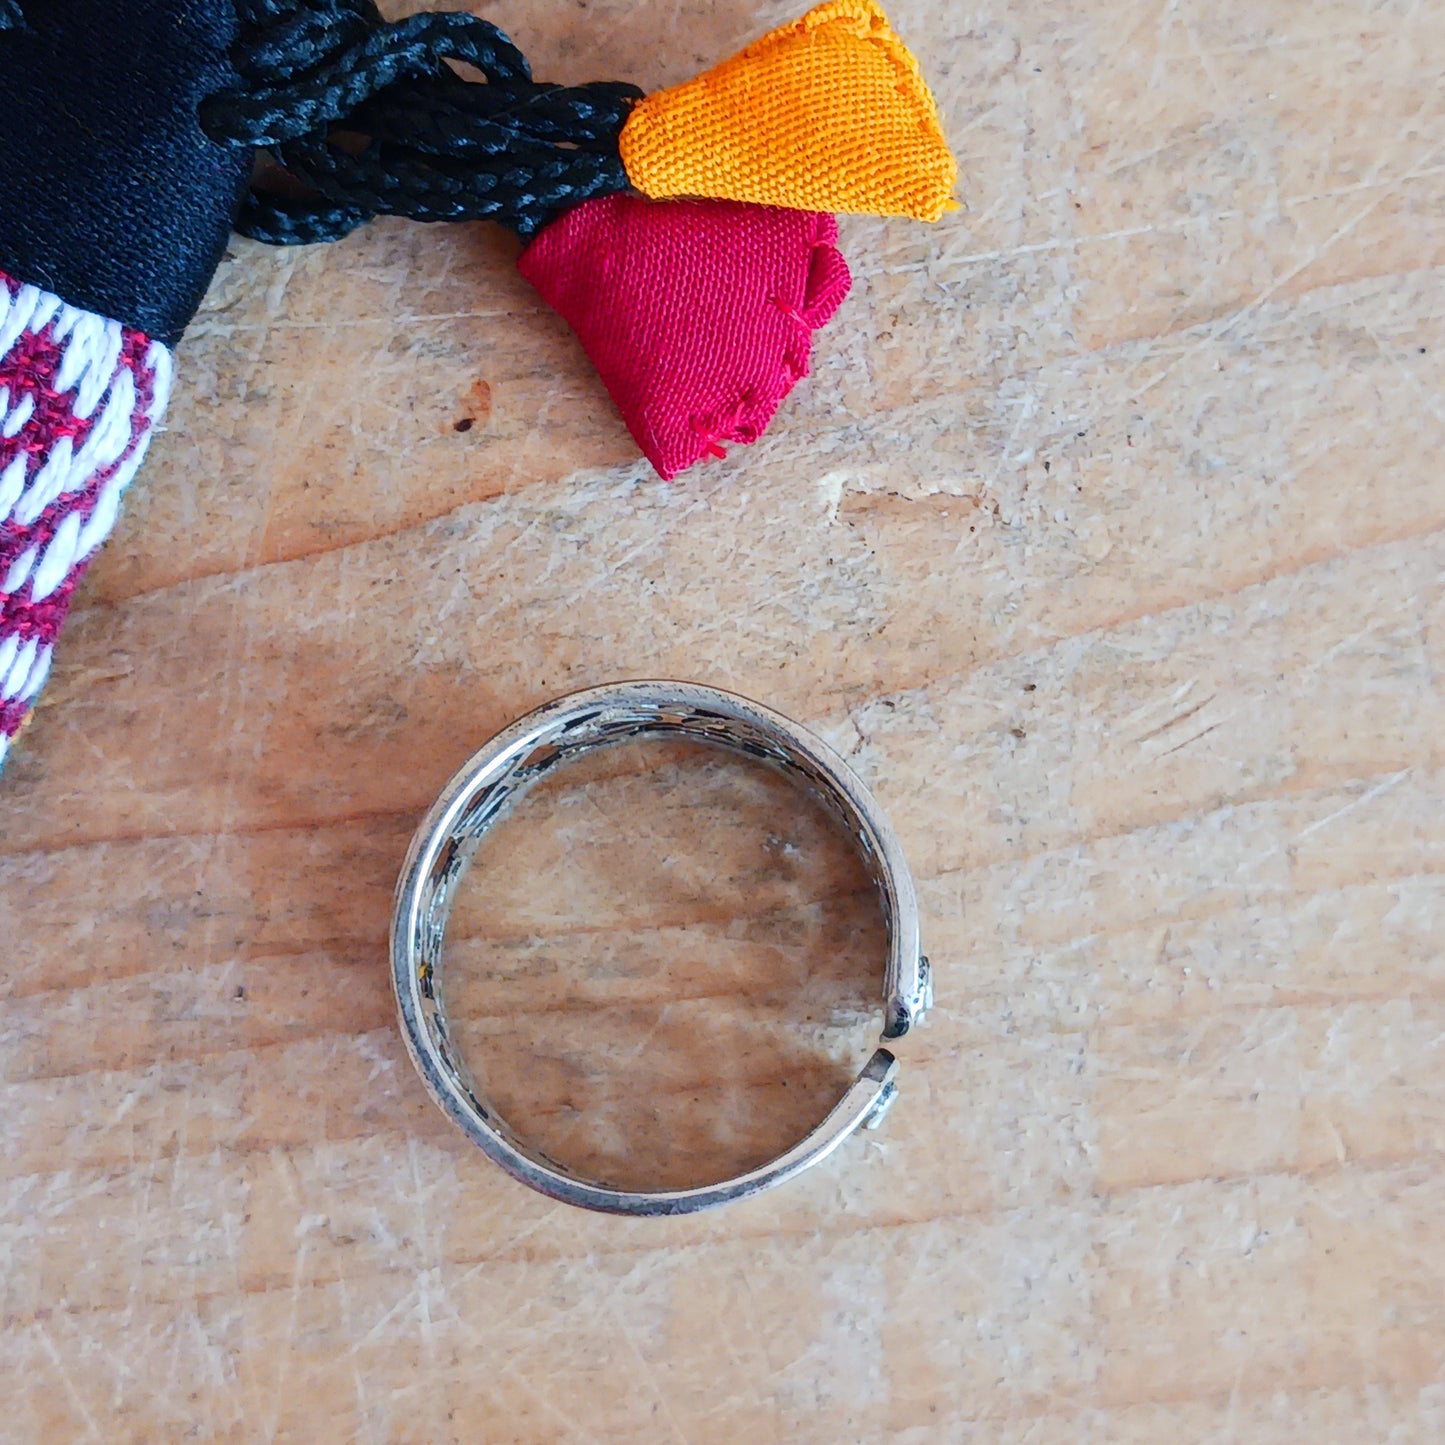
[[371, 118]]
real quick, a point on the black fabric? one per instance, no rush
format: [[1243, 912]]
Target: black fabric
[[111, 195]]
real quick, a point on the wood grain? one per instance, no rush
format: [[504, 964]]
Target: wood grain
[[1107, 540]]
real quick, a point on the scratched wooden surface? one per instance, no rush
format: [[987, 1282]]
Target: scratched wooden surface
[[1106, 541]]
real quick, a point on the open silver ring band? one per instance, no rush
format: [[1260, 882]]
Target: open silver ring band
[[497, 776]]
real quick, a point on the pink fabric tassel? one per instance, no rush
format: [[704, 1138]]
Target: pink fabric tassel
[[698, 315]]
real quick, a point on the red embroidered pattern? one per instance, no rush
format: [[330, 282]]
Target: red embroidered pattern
[[79, 396], [698, 315]]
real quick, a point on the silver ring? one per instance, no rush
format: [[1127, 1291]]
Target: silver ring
[[492, 782]]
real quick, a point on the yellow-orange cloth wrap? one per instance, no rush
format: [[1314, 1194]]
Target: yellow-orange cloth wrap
[[830, 113]]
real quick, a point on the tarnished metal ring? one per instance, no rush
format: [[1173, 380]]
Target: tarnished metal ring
[[492, 782]]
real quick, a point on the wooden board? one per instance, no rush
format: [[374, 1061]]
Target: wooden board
[[1106, 541]]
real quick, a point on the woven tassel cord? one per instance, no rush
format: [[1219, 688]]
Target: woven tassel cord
[[79, 399], [369, 118]]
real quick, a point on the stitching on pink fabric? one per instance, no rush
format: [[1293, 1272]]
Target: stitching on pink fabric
[[730, 427], [791, 312]]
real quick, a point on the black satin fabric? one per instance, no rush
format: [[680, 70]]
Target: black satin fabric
[[111, 196]]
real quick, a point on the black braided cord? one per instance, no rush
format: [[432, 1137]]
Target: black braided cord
[[10, 16], [370, 118]]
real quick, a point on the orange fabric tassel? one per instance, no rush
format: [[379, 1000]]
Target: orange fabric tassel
[[829, 113]]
